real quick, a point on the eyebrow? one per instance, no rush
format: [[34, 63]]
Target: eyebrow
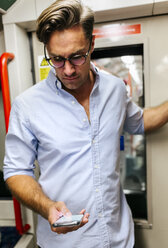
[[72, 54]]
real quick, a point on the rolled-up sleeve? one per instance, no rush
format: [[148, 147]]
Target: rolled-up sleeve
[[134, 123], [20, 144]]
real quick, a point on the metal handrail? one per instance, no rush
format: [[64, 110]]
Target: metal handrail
[[4, 59]]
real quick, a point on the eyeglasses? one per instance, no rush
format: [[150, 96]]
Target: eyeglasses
[[59, 62]]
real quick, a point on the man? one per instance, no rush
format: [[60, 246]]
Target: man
[[71, 123]]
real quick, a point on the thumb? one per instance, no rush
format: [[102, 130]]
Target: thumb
[[62, 208]]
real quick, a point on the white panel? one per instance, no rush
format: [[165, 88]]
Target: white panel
[[30, 218], [20, 77], [123, 13], [117, 10], [113, 4], [2, 43], [9, 31], [7, 211], [23, 10], [106, 10], [7, 222], [160, 7], [26, 241], [7, 216], [38, 49], [42, 4]]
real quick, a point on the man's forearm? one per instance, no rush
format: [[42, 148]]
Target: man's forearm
[[29, 192], [155, 117]]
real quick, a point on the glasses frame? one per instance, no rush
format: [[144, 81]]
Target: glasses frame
[[67, 59]]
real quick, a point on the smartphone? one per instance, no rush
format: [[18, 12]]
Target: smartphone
[[73, 220]]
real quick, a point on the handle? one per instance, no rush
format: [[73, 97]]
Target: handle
[[5, 85], [4, 59]]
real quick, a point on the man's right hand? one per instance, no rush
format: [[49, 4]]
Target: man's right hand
[[30, 193], [59, 209]]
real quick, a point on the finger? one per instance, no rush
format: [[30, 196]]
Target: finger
[[85, 215], [85, 219], [82, 211], [54, 215], [64, 210], [64, 230], [67, 229]]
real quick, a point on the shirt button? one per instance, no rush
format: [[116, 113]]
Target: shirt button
[[99, 215], [93, 141], [97, 190], [73, 102], [84, 119], [96, 166]]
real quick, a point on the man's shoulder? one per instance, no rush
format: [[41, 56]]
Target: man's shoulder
[[31, 96], [33, 91], [107, 78]]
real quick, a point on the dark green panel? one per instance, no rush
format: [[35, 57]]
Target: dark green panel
[[5, 4]]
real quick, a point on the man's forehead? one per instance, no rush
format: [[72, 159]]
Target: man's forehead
[[67, 42], [74, 33], [60, 54]]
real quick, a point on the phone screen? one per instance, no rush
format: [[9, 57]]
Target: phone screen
[[72, 220]]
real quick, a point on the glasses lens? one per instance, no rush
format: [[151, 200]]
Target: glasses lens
[[78, 60], [57, 62]]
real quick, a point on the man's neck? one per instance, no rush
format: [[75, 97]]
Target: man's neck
[[83, 92]]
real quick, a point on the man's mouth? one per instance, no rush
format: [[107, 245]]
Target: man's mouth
[[70, 78]]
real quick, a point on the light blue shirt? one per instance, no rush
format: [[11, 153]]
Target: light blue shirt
[[78, 159]]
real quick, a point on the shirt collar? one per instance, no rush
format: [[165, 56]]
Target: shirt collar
[[55, 83]]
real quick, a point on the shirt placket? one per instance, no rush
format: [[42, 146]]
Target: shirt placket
[[98, 190]]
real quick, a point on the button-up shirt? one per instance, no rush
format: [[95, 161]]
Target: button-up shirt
[[78, 158]]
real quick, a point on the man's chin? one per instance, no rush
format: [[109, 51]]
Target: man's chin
[[71, 85]]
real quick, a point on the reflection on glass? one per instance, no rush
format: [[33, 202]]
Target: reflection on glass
[[133, 148]]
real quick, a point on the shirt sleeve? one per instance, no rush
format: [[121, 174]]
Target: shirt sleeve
[[20, 144], [134, 123]]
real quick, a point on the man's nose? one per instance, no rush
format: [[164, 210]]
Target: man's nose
[[69, 69]]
